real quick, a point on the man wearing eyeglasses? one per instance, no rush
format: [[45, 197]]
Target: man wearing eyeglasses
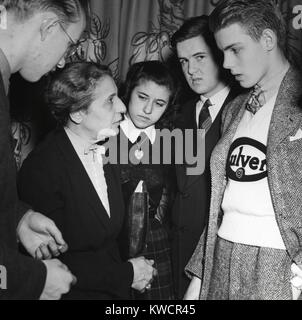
[[38, 37]]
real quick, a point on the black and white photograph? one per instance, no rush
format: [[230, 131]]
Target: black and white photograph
[[150, 152]]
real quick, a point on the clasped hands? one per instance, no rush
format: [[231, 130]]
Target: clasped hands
[[144, 272], [43, 240]]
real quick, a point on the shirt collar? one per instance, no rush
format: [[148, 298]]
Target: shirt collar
[[5, 70], [217, 100], [271, 87], [132, 132], [218, 97]]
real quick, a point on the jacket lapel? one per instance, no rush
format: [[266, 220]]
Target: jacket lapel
[[181, 176], [286, 116], [188, 122], [114, 193], [78, 174], [223, 146]]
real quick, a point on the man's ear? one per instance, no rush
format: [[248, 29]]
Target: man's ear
[[76, 117], [48, 25], [269, 39]]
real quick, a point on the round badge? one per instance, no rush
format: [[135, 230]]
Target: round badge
[[240, 173]]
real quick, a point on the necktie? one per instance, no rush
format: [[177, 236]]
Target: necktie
[[256, 100], [204, 119]]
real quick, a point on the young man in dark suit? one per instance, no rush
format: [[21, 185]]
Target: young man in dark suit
[[34, 38], [201, 63], [251, 248]]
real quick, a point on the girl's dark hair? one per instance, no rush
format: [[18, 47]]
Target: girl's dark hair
[[159, 73], [72, 89]]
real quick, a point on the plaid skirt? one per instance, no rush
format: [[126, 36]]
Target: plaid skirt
[[243, 272], [158, 249]]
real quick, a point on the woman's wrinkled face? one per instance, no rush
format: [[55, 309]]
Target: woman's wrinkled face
[[148, 102], [105, 112]]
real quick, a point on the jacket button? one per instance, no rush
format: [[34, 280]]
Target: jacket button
[[185, 195]]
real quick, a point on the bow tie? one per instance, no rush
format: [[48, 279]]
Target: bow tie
[[97, 150]]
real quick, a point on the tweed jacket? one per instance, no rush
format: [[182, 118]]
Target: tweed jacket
[[284, 166]]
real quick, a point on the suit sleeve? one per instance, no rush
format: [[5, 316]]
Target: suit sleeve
[[22, 209], [195, 264], [40, 186], [25, 277]]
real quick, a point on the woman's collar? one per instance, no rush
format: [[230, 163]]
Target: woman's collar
[[132, 132]]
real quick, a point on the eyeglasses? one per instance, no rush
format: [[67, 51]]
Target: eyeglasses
[[73, 47]]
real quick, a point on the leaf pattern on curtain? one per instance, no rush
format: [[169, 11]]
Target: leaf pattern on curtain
[[140, 30], [155, 45], [97, 35], [94, 47]]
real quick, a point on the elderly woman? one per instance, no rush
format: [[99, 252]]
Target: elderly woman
[[64, 177]]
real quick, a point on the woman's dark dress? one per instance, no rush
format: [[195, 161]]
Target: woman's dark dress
[[158, 247]]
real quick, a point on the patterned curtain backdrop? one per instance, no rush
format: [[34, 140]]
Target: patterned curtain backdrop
[[127, 31]]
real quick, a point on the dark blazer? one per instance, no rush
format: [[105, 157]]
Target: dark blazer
[[284, 167], [25, 276], [54, 181], [192, 202]]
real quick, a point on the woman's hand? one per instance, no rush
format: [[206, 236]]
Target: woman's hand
[[193, 290], [143, 273]]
